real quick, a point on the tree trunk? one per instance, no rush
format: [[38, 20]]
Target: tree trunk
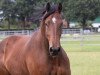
[[8, 24], [23, 22], [84, 23]]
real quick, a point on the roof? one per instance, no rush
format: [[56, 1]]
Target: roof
[[97, 20]]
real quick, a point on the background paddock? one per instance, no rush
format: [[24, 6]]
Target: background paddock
[[83, 52]]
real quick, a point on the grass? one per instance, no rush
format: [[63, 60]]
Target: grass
[[84, 63], [84, 54], [81, 47], [1, 38], [84, 43]]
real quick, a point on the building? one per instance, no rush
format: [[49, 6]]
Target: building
[[96, 23]]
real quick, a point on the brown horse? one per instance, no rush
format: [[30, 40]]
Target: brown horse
[[38, 54]]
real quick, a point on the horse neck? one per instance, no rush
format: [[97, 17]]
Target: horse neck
[[42, 33], [40, 37], [43, 38], [42, 28]]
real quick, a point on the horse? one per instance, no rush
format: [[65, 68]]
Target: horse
[[38, 54]]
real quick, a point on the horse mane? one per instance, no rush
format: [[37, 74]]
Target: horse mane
[[39, 13]]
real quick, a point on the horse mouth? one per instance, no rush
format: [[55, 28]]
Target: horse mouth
[[54, 53]]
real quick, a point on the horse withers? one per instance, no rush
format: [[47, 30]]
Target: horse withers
[[38, 54]]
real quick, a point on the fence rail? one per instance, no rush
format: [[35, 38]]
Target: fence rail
[[28, 32], [16, 32]]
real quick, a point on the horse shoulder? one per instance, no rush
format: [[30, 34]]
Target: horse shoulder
[[13, 54], [4, 44], [15, 43]]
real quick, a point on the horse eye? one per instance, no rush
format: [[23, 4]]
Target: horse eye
[[46, 25]]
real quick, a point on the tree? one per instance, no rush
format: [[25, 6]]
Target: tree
[[24, 9], [8, 8], [20, 9], [82, 10]]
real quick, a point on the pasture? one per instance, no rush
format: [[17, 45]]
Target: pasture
[[83, 52], [81, 43], [85, 63]]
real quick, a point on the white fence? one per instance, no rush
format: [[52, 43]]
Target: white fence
[[16, 32], [28, 32], [71, 31]]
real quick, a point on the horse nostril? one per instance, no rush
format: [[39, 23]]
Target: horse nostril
[[54, 51], [51, 49]]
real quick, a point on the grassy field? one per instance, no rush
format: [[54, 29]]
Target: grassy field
[[83, 52], [84, 43], [84, 63]]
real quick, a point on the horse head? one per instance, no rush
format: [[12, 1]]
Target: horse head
[[53, 27]]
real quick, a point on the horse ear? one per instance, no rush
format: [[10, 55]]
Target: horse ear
[[48, 6], [59, 7], [65, 24]]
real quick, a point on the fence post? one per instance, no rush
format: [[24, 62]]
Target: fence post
[[82, 38]]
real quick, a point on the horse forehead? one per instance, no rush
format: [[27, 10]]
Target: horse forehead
[[54, 19]]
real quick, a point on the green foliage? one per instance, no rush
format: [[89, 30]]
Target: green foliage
[[73, 10], [17, 10], [8, 8], [82, 10], [24, 7]]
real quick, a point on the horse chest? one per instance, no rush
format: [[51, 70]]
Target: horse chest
[[55, 66]]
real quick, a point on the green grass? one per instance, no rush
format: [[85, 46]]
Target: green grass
[[84, 63], [81, 42], [81, 47], [84, 54], [2, 37], [84, 43]]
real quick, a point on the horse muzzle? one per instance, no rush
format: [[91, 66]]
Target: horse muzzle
[[54, 51]]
